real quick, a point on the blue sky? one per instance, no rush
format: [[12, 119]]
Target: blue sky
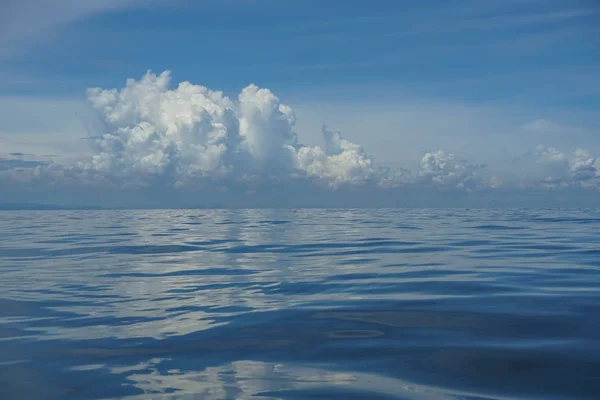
[[461, 95]]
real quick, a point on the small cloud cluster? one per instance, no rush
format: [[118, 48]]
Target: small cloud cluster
[[444, 169], [580, 168], [340, 162]]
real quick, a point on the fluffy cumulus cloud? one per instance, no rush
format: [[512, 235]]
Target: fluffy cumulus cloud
[[154, 133], [342, 161], [444, 169], [192, 133], [580, 168]]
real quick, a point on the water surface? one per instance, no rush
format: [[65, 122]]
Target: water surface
[[300, 304]]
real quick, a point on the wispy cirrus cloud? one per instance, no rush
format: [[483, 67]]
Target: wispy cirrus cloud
[[25, 23]]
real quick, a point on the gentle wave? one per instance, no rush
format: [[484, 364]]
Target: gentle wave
[[300, 304]]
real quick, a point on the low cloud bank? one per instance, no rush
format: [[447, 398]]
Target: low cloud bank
[[192, 136]]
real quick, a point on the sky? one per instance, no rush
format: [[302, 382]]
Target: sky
[[265, 103]]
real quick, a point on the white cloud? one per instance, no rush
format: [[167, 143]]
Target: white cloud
[[396, 129], [580, 168], [583, 166], [344, 162], [444, 169], [191, 136], [192, 132], [551, 155]]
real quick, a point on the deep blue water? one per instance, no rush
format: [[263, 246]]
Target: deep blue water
[[300, 304]]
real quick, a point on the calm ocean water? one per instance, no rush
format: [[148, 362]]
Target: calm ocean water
[[300, 304]]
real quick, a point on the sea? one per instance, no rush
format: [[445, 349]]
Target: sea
[[300, 304]]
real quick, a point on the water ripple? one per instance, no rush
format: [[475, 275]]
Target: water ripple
[[300, 304]]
